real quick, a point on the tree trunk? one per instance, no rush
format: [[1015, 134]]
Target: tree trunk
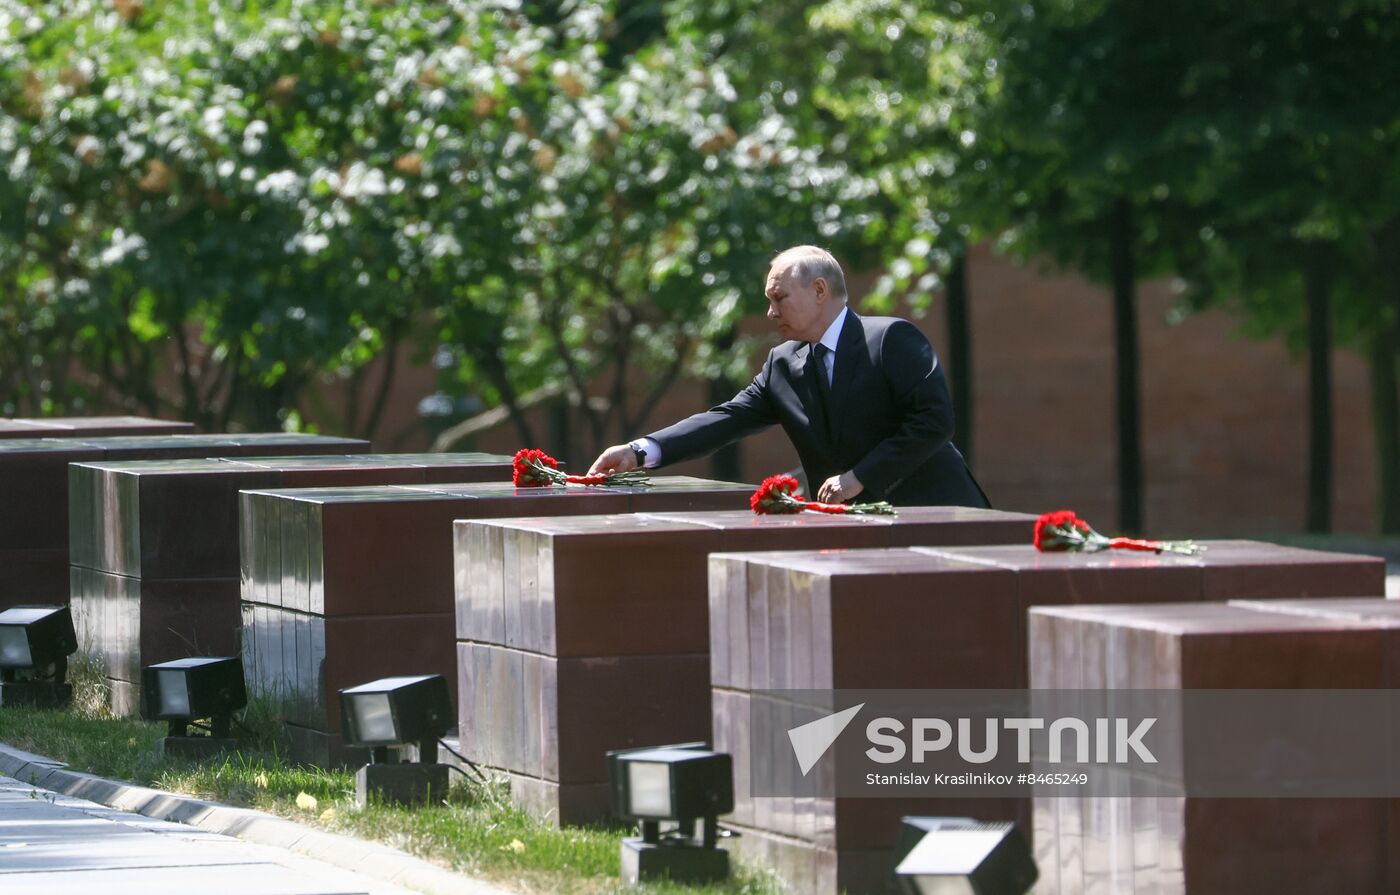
[[267, 404], [960, 351], [1385, 350], [386, 382], [1385, 405], [1122, 238], [1317, 277], [561, 443]]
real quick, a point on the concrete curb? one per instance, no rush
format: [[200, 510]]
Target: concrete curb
[[369, 858]]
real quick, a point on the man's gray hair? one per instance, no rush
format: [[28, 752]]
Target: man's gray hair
[[809, 262]]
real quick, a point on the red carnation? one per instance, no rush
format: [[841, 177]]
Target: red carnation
[[533, 468], [779, 494], [1057, 530], [530, 469], [1063, 531]]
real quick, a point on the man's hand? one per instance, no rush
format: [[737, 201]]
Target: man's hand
[[840, 488], [618, 458]]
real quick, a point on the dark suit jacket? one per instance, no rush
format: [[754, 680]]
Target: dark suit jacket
[[890, 418]]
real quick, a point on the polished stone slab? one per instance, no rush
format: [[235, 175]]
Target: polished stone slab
[[128, 623], [1229, 569], [179, 518], [89, 426], [1192, 844], [932, 617], [1378, 609], [154, 546], [581, 634], [34, 475], [372, 556]]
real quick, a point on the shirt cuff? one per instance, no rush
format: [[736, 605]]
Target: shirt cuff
[[653, 451]]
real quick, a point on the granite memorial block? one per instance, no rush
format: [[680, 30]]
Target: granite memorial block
[[34, 476], [151, 530], [581, 634], [931, 618], [89, 426], [339, 565], [1193, 842]]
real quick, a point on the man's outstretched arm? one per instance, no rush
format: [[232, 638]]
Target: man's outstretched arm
[[744, 414]]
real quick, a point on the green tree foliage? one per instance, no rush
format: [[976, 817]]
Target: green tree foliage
[[1280, 186], [247, 198]]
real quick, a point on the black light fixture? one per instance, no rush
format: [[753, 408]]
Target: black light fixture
[[962, 856], [184, 691], [687, 785], [398, 711], [35, 643]]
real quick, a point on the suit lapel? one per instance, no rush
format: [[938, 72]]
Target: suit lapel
[[849, 359]]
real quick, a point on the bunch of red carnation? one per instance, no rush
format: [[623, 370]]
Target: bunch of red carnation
[[533, 468], [1064, 531], [779, 494]]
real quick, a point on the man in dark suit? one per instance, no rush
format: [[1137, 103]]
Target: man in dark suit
[[862, 399]]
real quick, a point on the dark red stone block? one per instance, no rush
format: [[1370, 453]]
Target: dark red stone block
[[683, 493], [890, 618], [612, 591], [301, 661], [90, 426], [34, 575], [620, 585], [553, 720], [1071, 578], [960, 526], [599, 699], [878, 619], [34, 474], [1215, 845], [1354, 609], [1226, 569], [128, 622], [156, 521], [159, 518], [387, 551], [1236, 569]]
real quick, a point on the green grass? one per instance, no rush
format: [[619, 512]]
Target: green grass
[[474, 830]]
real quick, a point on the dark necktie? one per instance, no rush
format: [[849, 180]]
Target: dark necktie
[[817, 362], [819, 353]]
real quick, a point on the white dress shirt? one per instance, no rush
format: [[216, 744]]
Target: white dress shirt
[[829, 339]]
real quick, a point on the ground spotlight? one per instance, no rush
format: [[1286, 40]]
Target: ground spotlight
[[184, 691], [687, 785], [961, 856], [35, 643], [397, 711]]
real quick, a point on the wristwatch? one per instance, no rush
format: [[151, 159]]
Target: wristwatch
[[640, 452]]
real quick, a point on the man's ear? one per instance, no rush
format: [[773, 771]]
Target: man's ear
[[819, 287]]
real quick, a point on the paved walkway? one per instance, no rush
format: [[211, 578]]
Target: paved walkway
[[52, 843], [64, 831]]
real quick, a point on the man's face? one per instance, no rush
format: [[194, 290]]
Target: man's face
[[799, 311]]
